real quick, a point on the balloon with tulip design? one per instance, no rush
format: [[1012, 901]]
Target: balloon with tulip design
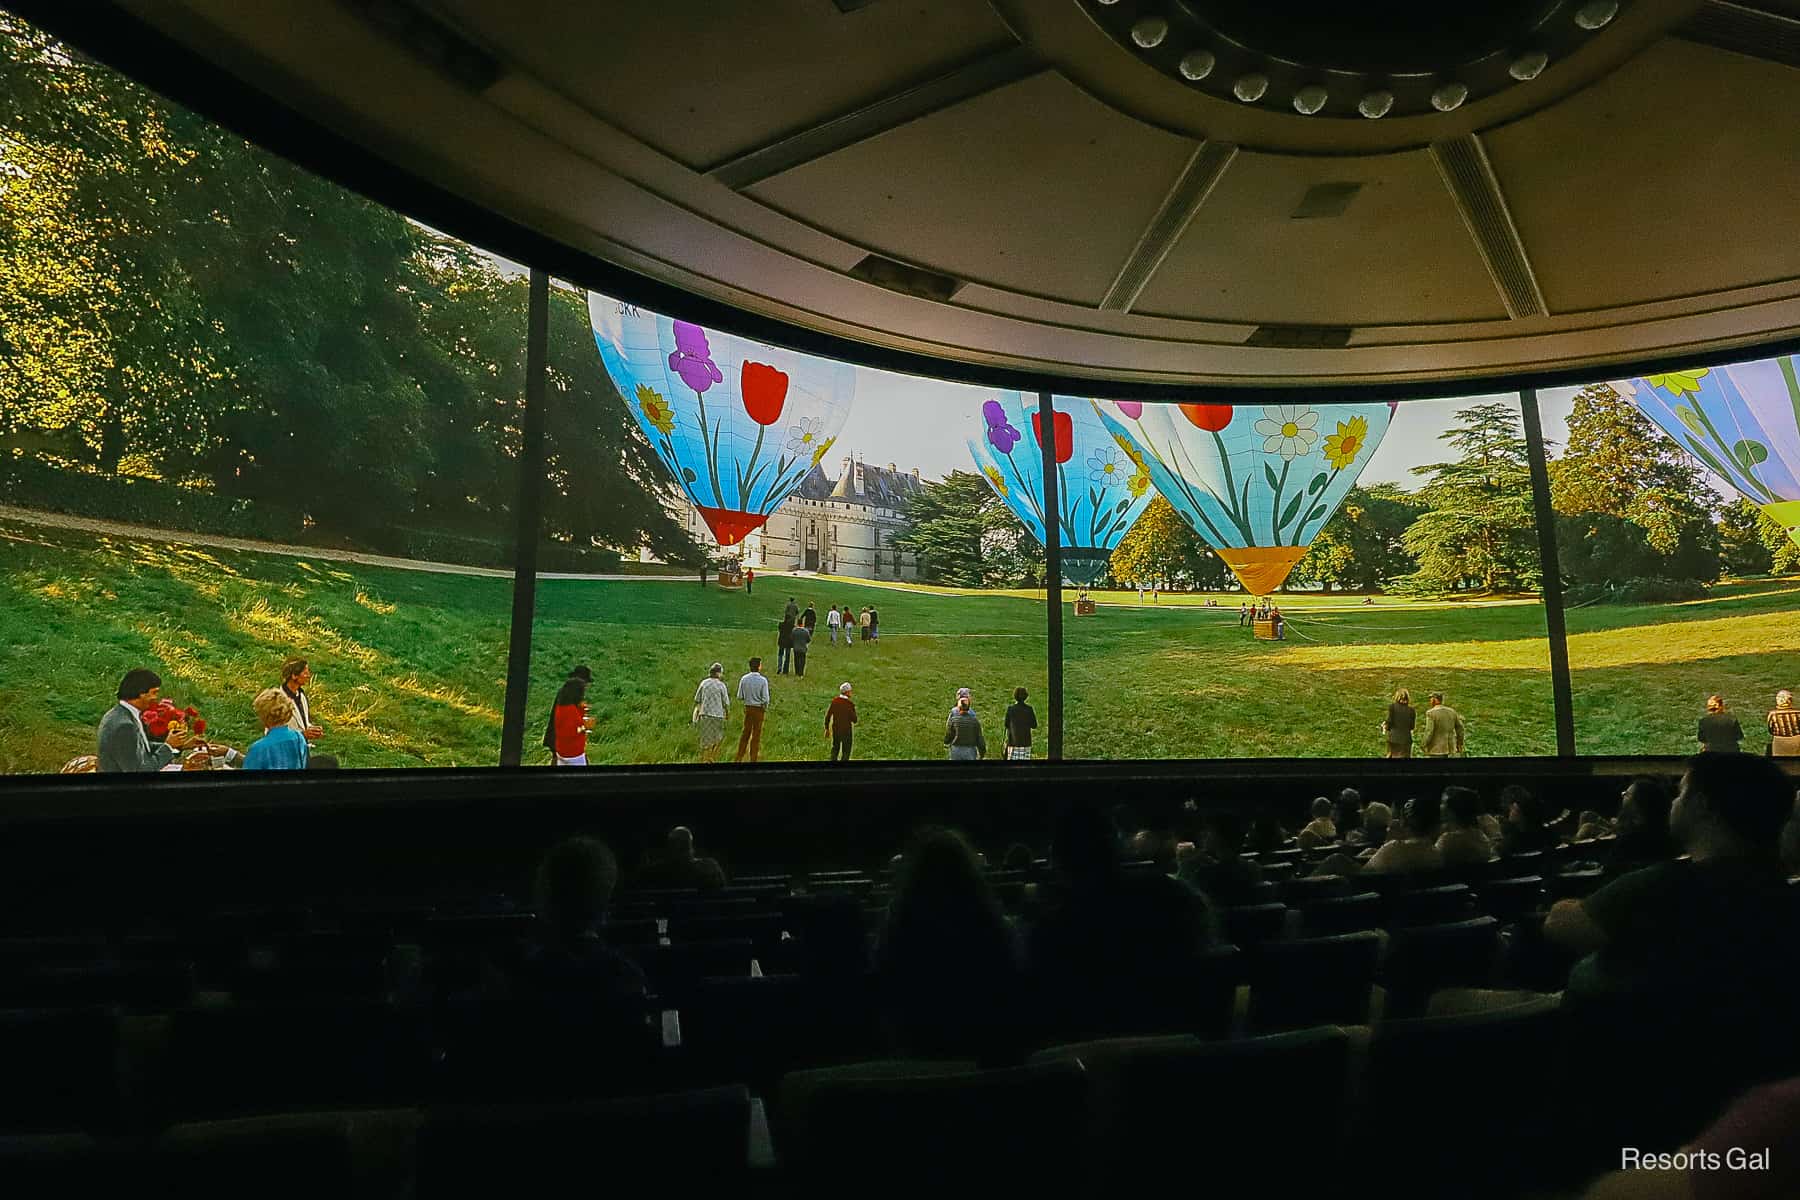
[[738, 424], [1742, 421], [1100, 489], [1257, 482]]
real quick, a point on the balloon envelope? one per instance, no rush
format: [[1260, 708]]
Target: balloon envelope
[[1256, 482], [1100, 491], [1742, 421], [738, 423]]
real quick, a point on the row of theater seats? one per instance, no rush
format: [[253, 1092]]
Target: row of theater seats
[[1461, 1105]]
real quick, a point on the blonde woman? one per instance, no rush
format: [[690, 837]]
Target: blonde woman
[[1784, 726], [281, 747], [1398, 728]]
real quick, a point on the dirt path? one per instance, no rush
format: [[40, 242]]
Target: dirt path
[[29, 516]]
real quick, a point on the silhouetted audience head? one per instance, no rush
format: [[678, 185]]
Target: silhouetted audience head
[[1266, 833], [1644, 809], [1225, 834], [1085, 846], [1376, 819], [1462, 807], [1156, 847], [1423, 816], [1731, 804], [681, 843], [575, 883], [1347, 813], [1019, 857], [1321, 807], [1523, 808]]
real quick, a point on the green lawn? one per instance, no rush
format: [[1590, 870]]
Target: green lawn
[[411, 665]]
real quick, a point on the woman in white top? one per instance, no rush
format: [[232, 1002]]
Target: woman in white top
[[833, 619], [711, 701]]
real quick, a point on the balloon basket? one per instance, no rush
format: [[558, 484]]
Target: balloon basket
[[731, 581], [1085, 607], [1264, 630]]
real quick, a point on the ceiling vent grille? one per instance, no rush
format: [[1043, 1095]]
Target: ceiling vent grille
[[1745, 29], [1204, 167], [1463, 164], [1300, 337], [1325, 200], [899, 277]]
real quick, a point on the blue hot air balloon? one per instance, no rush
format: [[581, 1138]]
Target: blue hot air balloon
[[739, 424], [1257, 482], [1100, 490], [1741, 420]]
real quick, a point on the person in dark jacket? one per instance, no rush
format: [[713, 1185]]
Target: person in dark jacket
[[1398, 728], [1719, 729], [784, 645], [963, 735]]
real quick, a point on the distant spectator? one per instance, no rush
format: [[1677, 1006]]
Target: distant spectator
[[792, 612], [840, 723], [1416, 848], [1784, 726], [848, 621], [802, 639], [810, 618], [1021, 719], [1444, 729], [1398, 728], [1111, 952], [1218, 867], [1322, 826], [963, 733], [124, 743], [834, 621], [1527, 822], [1462, 843], [874, 625], [947, 960], [1266, 833], [1346, 814], [1643, 829], [862, 620], [280, 748], [784, 644], [569, 713], [681, 866], [1719, 728], [749, 581]]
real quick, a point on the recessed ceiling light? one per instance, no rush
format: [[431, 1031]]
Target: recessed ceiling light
[[1150, 32], [1449, 97], [1528, 66], [1595, 14], [1310, 99], [1198, 64], [1250, 88], [1375, 105]]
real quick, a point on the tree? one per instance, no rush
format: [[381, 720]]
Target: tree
[[1740, 537], [1631, 503], [1478, 528], [1785, 555], [1160, 547], [964, 536], [1363, 546]]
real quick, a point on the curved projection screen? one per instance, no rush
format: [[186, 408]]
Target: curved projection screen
[[260, 449]]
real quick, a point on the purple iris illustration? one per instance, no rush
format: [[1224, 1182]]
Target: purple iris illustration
[[692, 359], [1000, 433]]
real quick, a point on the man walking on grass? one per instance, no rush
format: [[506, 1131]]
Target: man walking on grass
[[840, 723], [1443, 729], [802, 636], [753, 694]]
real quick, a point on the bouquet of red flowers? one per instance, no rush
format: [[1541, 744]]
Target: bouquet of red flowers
[[165, 713]]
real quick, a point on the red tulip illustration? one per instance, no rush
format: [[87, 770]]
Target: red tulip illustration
[[764, 390], [1064, 430], [1210, 417]]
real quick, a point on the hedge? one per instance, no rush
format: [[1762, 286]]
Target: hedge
[[30, 482]]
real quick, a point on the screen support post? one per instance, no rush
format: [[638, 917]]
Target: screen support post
[[530, 514]]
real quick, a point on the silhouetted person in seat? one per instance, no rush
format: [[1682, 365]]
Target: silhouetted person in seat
[[678, 866], [570, 1016], [1217, 868], [1461, 842], [1527, 827], [1692, 964], [947, 963], [1112, 953]]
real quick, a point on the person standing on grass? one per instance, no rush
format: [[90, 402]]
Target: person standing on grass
[[862, 621], [840, 723], [963, 735], [874, 626], [784, 645], [1243, 615], [570, 716], [834, 620], [587, 677], [753, 694], [749, 580], [802, 638], [296, 673], [124, 743], [849, 623], [1021, 719], [279, 748], [712, 701], [1719, 728], [810, 618], [793, 610], [1784, 726], [1398, 728], [1444, 729]]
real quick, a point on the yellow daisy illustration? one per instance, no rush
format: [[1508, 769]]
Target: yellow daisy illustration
[[656, 410], [995, 478], [1342, 447]]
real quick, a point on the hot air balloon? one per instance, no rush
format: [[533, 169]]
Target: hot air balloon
[[739, 424], [1742, 421], [1100, 489], [1256, 482]]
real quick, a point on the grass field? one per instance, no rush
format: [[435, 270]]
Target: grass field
[[411, 665]]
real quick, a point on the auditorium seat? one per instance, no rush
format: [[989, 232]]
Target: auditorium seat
[[640, 932], [675, 970], [59, 1069], [1218, 1102], [754, 1030], [1423, 958], [1297, 892], [1574, 885], [1509, 899], [1250, 925], [1429, 905], [902, 1126], [1313, 981], [1476, 1095], [1341, 914], [1194, 997], [488, 1152]]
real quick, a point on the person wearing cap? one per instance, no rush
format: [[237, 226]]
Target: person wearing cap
[[712, 700], [1719, 729], [840, 722]]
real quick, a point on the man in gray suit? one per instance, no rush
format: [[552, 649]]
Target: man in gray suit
[[124, 744]]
